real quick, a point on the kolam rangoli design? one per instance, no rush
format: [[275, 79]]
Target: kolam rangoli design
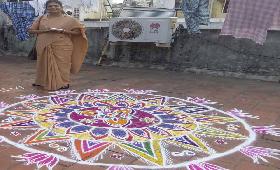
[[97, 127]]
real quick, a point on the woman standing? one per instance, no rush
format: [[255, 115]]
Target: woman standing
[[61, 47]]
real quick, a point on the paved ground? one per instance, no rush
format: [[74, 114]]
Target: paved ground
[[254, 97]]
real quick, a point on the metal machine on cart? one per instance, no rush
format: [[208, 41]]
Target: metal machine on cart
[[143, 24]]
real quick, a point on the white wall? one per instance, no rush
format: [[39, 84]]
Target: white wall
[[169, 4]]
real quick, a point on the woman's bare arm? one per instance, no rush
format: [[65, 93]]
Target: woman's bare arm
[[38, 31], [73, 32]]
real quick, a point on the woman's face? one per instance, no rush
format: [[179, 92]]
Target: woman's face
[[54, 8]]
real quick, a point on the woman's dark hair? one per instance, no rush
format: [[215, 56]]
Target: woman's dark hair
[[55, 1], [50, 1]]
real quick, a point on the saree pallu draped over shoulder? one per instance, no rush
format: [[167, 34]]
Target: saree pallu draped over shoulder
[[59, 54]]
